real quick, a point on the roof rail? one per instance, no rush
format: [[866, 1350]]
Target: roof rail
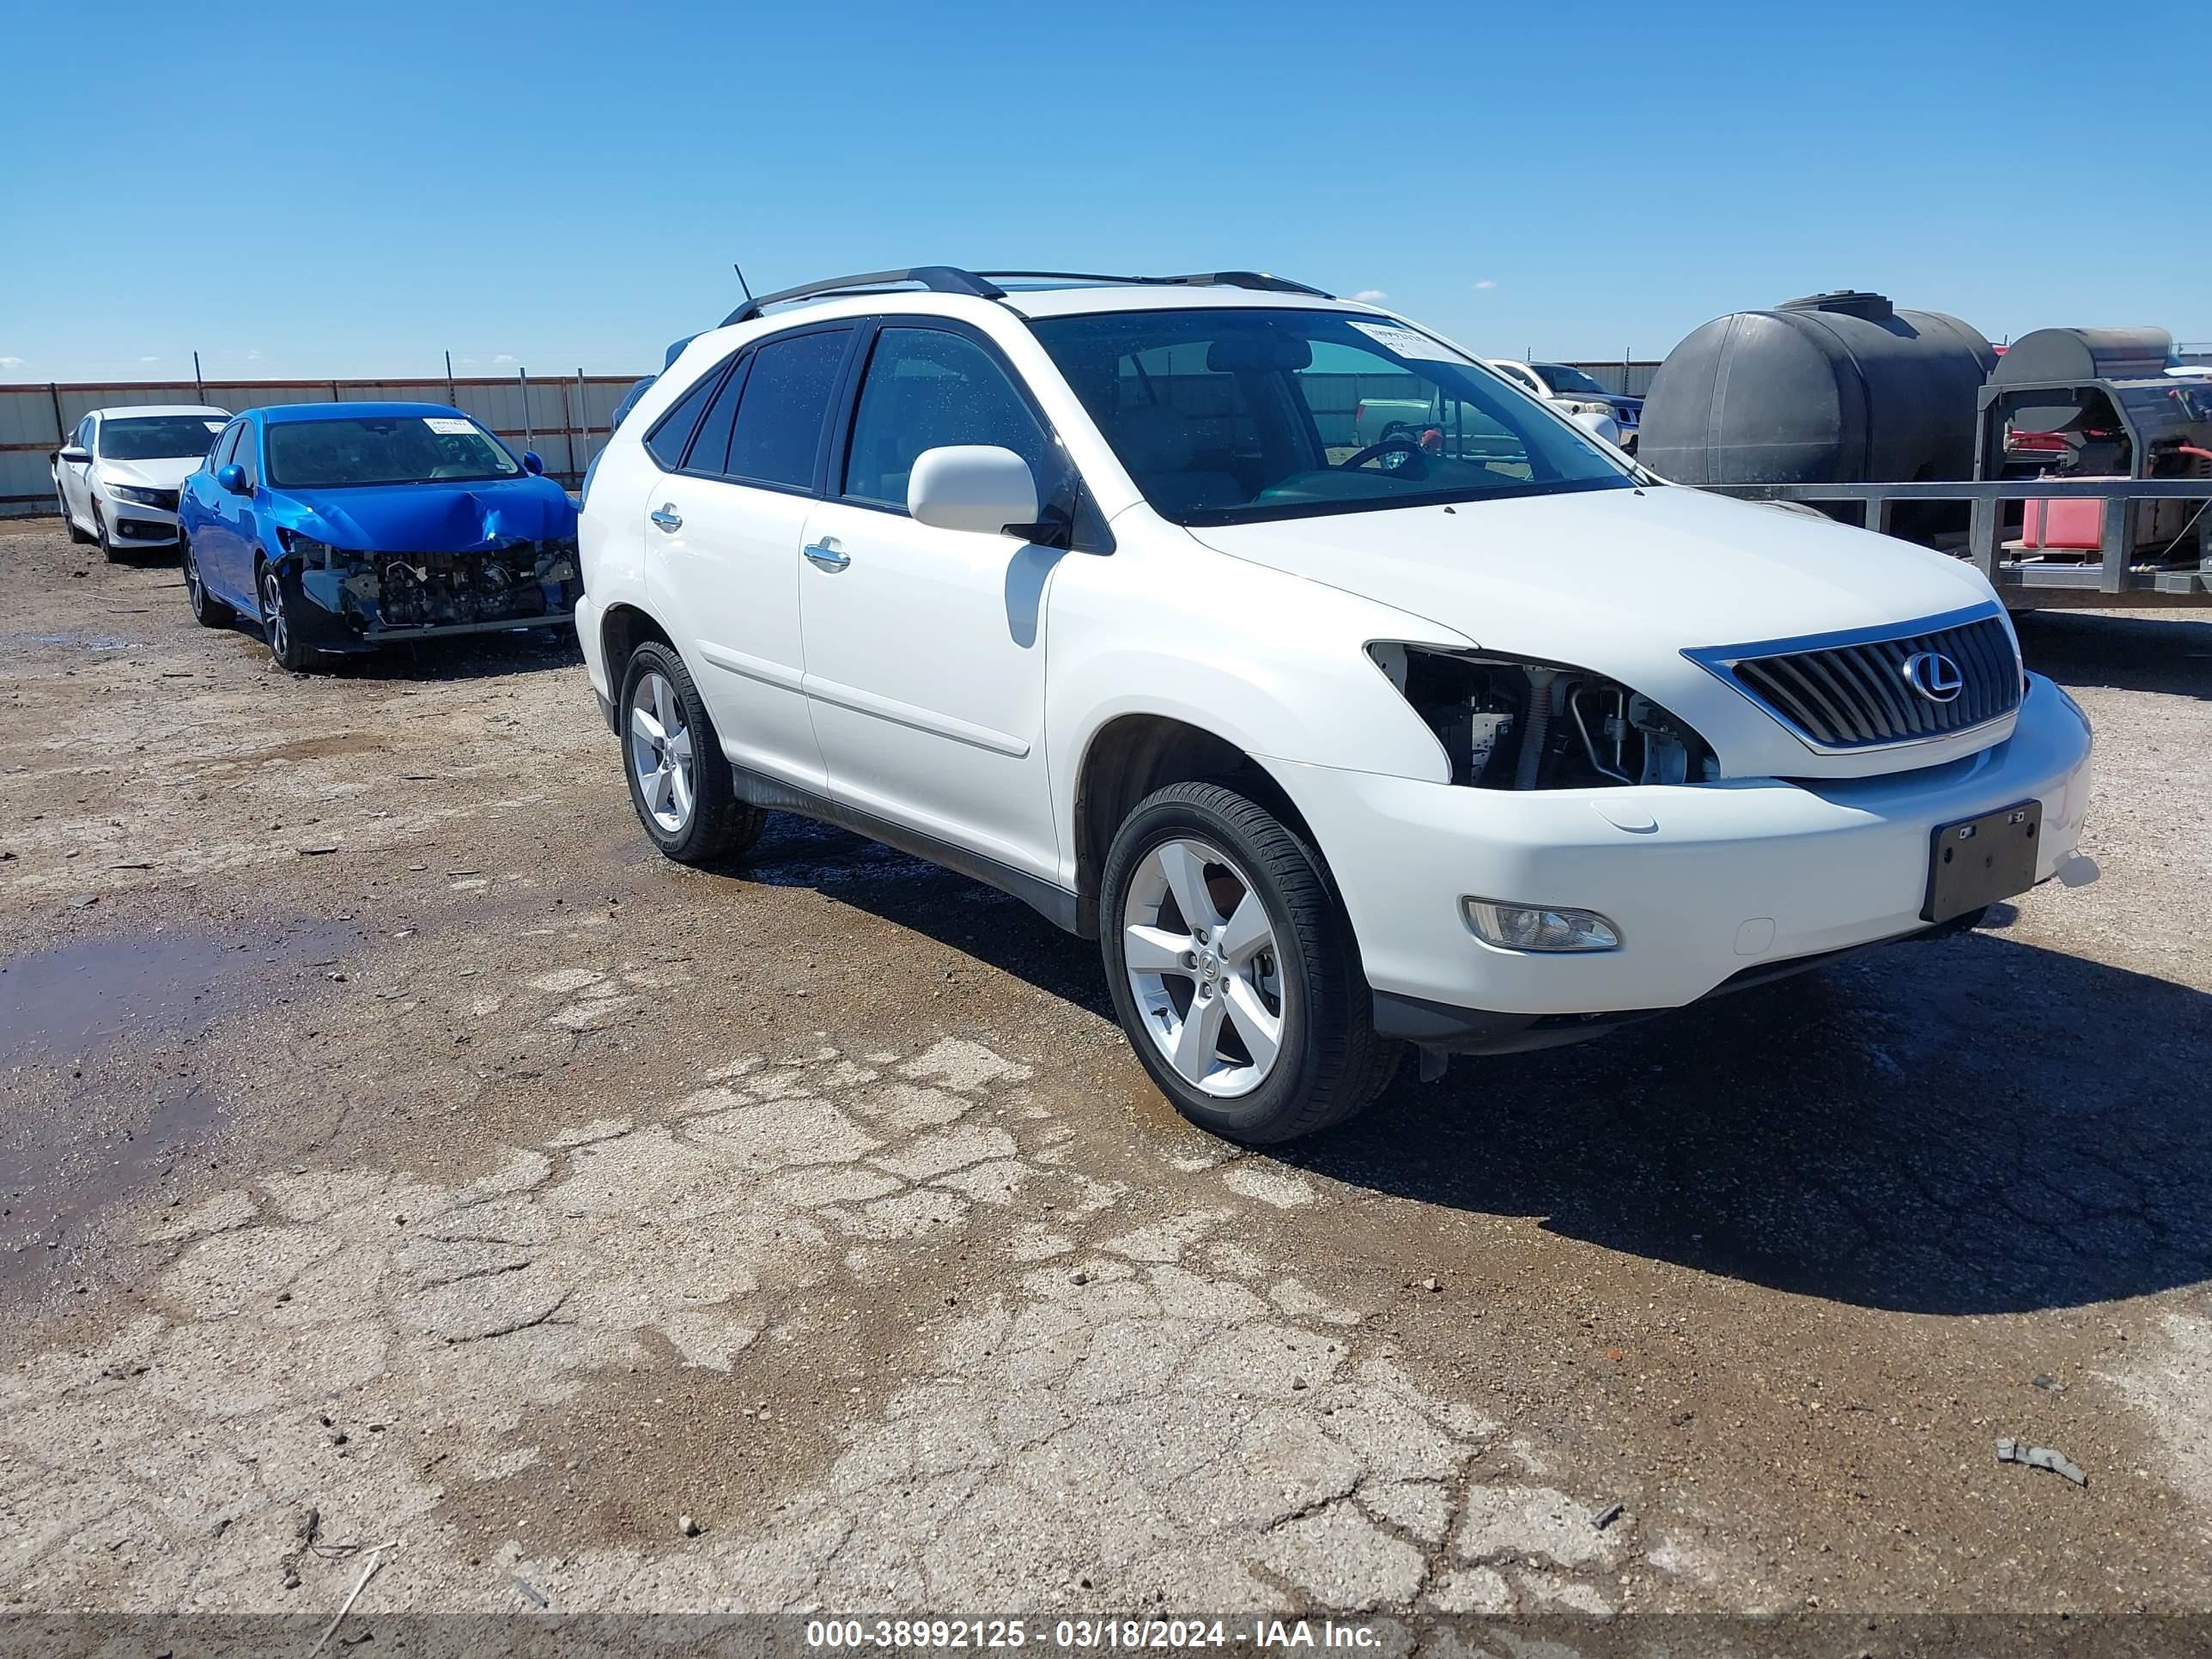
[[1258, 279], [1252, 279], [941, 279]]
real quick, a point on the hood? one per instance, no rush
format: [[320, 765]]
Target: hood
[[162, 472], [1623, 581], [431, 518]]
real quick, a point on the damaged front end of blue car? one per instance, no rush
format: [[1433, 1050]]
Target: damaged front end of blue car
[[357, 598], [375, 565]]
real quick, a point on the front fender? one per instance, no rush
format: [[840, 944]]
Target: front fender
[[1274, 664]]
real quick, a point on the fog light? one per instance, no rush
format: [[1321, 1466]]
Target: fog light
[[1530, 928]]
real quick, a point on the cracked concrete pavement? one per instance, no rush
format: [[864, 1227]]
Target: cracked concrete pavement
[[389, 1134]]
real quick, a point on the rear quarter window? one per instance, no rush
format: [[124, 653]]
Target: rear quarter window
[[778, 431], [672, 434]]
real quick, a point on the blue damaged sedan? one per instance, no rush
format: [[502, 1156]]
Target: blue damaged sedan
[[341, 527]]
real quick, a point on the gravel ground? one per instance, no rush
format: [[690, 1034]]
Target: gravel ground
[[386, 1133]]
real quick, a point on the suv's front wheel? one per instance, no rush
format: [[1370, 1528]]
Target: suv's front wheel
[[679, 781], [1233, 969]]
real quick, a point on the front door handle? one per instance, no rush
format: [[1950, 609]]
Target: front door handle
[[826, 554], [668, 518]]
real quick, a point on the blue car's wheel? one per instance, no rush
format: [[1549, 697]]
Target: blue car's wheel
[[207, 610], [277, 623]]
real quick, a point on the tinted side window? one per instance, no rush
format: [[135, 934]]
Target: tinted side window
[[247, 454], [710, 449], [787, 396], [925, 388], [224, 447], [84, 434], [668, 438]]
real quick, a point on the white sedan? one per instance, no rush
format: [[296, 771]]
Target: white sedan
[[117, 474]]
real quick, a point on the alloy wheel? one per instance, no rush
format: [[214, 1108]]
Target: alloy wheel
[[1202, 961], [661, 753], [195, 590], [273, 621]]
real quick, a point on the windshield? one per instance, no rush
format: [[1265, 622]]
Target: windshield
[[1238, 415], [158, 437], [384, 449], [1563, 379]]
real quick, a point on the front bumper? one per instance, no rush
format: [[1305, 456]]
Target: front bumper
[[129, 524], [356, 600], [1707, 883]]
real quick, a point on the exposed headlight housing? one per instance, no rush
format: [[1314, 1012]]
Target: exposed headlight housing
[[1549, 929], [1511, 724], [306, 549], [135, 495]]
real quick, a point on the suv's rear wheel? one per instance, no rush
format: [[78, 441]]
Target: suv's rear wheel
[[679, 781], [1234, 971]]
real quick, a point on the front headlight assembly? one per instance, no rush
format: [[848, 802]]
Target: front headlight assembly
[[137, 496], [1506, 723]]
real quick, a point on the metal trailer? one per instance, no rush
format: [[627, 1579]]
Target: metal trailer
[[2131, 437], [2027, 581]]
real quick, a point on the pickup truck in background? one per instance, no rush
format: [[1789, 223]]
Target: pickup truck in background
[[1576, 393]]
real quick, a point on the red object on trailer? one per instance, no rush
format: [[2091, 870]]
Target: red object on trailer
[[2064, 524]]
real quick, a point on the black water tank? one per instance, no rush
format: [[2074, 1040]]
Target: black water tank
[[1837, 388]]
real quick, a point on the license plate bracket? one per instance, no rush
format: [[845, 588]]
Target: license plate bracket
[[1976, 862]]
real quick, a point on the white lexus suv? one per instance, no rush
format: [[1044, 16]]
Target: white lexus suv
[[1475, 740]]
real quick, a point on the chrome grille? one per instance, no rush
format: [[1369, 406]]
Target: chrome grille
[[1853, 693]]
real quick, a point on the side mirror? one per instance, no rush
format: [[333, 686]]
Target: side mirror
[[71, 455], [232, 478], [978, 487], [1599, 426], [531, 465]]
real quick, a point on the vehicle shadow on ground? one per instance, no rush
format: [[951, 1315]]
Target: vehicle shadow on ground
[[1973, 1126], [2130, 654], [456, 657]]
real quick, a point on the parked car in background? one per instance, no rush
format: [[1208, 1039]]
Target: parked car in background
[[1075, 586], [1576, 392], [346, 527], [117, 474]]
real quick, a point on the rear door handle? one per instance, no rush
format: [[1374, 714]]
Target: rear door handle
[[826, 554], [668, 518]]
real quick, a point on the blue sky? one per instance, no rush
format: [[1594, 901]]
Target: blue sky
[[311, 189]]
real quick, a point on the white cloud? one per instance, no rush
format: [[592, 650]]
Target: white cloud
[[503, 358], [468, 362], [253, 357], [1371, 296], [149, 360], [11, 363], [1485, 282]]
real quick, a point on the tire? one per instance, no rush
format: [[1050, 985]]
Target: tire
[[207, 610], [679, 780], [1328, 1062], [68, 519], [285, 649], [100, 534]]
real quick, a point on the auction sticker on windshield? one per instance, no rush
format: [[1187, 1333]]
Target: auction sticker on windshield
[[1409, 343], [446, 426]]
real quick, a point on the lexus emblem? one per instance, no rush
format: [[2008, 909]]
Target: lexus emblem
[[1934, 676]]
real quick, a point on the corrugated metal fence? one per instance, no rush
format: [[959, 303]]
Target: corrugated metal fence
[[1632, 379], [565, 420]]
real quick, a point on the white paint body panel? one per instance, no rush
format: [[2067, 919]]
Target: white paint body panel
[[81, 485], [955, 680]]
